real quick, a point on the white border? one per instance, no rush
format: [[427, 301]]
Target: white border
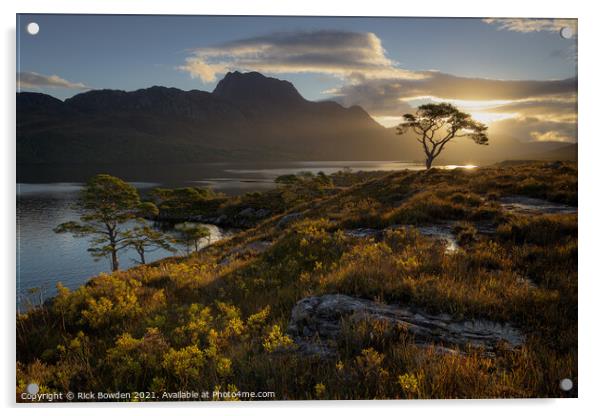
[[589, 191]]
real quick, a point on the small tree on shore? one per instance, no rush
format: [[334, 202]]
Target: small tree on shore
[[435, 125], [107, 203], [144, 239], [191, 236]]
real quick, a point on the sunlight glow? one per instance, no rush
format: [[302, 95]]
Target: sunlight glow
[[388, 121], [486, 117], [450, 167]]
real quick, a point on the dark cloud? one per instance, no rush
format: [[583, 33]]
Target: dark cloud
[[378, 97], [446, 86], [547, 101], [338, 53], [35, 80]]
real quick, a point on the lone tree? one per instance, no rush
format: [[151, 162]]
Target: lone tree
[[191, 236], [145, 239], [435, 125], [107, 203]]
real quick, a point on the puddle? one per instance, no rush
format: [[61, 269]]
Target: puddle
[[440, 232], [527, 205]]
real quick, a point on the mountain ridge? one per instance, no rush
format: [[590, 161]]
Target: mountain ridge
[[248, 116]]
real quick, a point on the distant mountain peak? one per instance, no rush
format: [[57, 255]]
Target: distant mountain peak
[[253, 86]]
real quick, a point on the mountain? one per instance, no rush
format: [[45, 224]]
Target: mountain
[[247, 117], [566, 152], [253, 87]]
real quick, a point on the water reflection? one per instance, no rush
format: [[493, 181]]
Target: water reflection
[[45, 257]]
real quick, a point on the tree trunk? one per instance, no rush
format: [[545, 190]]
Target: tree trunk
[[142, 259], [113, 244], [429, 162], [114, 259]]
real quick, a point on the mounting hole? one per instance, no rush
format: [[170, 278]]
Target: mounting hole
[[566, 384], [32, 388], [33, 28], [566, 32]]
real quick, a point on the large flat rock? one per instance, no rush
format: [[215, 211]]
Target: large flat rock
[[316, 322]]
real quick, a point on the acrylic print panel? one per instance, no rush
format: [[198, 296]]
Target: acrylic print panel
[[295, 208]]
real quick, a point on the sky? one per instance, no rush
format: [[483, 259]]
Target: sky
[[519, 76]]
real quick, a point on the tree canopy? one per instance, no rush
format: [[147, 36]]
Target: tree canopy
[[435, 125], [107, 203]]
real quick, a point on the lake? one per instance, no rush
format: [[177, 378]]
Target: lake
[[46, 197]]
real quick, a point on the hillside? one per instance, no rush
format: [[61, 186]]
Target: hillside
[[429, 284]]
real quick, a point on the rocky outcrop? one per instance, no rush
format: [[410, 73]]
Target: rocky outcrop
[[316, 323]]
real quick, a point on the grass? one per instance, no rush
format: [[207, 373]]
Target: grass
[[200, 323]]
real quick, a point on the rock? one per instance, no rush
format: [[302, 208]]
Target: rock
[[316, 323], [262, 213], [247, 212], [288, 219], [527, 205], [197, 218], [258, 246], [554, 165], [485, 227], [364, 233], [252, 213]]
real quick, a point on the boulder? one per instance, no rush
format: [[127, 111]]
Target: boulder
[[262, 213], [247, 212], [288, 219], [315, 324]]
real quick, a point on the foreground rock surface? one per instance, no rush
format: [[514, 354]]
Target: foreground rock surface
[[316, 323]]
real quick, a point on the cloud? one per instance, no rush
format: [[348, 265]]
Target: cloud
[[557, 109], [380, 98], [442, 85], [537, 129], [35, 80], [390, 96], [339, 53], [524, 25], [532, 110]]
